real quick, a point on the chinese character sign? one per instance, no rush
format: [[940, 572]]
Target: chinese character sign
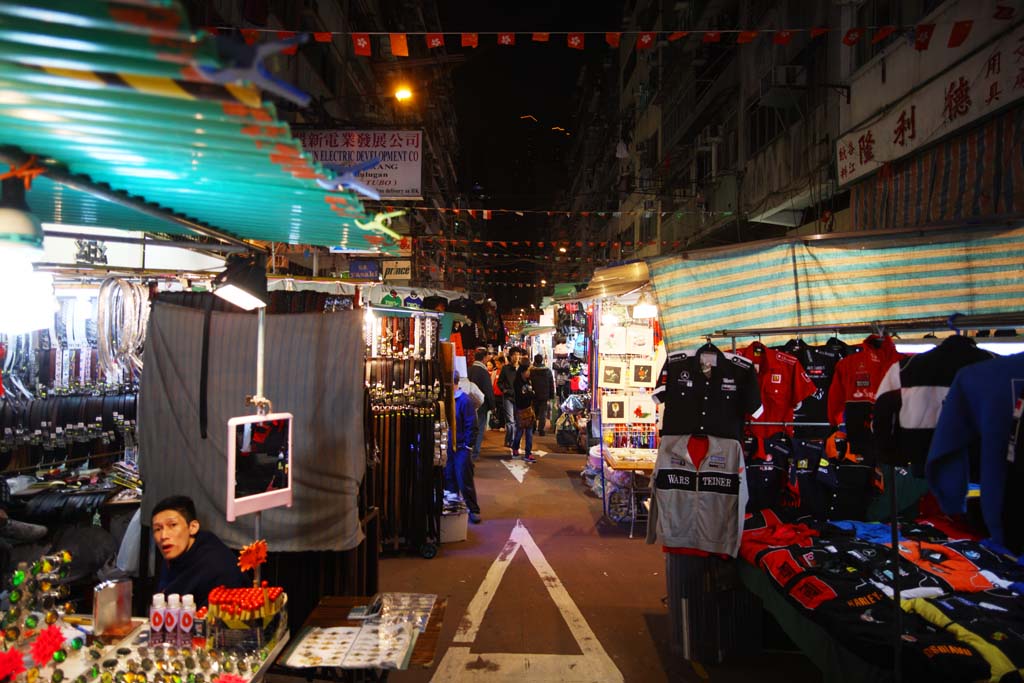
[[985, 82], [399, 173]]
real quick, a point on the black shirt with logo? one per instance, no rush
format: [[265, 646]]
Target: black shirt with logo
[[715, 404], [819, 362]]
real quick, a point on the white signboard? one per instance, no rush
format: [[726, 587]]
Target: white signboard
[[399, 173], [397, 271], [978, 86]]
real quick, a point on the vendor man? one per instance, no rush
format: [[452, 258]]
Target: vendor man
[[195, 561]]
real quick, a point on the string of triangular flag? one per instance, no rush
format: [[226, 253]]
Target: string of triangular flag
[[362, 42], [488, 214]]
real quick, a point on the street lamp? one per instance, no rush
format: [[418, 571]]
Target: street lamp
[[403, 93]]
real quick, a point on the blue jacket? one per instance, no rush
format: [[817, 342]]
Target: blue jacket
[[978, 411], [465, 424]]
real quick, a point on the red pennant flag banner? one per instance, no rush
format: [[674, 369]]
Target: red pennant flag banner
[[435, 40], [673, 37], [323, 36], [487, 214], [361, 43], [250, 36], [472, 213], [746, 37], [961, 30], [285, 35], [575, 41], [506, 39], [818, 31], [882, 33], [712, 37], [470, 39], [645, 41], [923, 36], [782, 37], [541, 37], [399, 45], [613, 39], [212, 30], [1004, 12], [852, 36]]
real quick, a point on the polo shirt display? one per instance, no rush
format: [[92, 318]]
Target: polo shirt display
[[783, 384], [715, 404]]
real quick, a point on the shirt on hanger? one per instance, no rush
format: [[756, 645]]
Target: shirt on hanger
[[819, 362], [852, 394], [715, 404], [783, 384]]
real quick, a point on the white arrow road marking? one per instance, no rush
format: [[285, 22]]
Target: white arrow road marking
[[459, 664], [518, 468]]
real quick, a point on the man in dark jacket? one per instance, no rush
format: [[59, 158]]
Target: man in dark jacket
[[479, 376], [543, 389], [459, 471], [195, 561], [506, 382]]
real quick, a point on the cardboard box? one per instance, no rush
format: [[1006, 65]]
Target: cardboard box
[[455, 527]]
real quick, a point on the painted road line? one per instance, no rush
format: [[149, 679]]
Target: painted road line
[[518, 468], [459, 664]]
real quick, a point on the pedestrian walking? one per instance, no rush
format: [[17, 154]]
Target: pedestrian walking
[[543, 382]]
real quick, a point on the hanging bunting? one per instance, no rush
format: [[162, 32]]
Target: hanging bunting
[[853, 36], [645, 41], [958, 35], [506, 39], [712, 36], [574, 41], [285, 35], [323, 36], [745, 37], [361, 44], [818, 31], [487, 214], [250, 36], [673, 37], [923, 36], [882, 33], [435, 40], [782, 37], [470, 39], [399, 45], [541, 37], [613, 39]]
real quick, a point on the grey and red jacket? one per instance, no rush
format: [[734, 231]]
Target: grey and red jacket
[[698, 502]]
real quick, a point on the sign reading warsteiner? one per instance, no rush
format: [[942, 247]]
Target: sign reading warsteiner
[[985, 82], [399, 173], [397, 271]]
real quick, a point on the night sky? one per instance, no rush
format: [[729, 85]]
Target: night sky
[[519, 163]]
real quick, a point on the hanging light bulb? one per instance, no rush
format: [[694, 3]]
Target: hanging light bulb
[[645, 307], [243, 281]]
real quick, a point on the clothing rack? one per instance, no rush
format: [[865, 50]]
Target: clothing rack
[[956, 322]]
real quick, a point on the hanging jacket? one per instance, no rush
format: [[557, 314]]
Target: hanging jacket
[[699, 494]]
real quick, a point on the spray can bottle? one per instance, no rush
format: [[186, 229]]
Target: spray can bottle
[[157, 616]]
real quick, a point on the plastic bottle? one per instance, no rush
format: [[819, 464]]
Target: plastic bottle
[[186, 622], [199, 639], [171, 619], [157, 616]]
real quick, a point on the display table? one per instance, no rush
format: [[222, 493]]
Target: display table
[[333, 611], [631, 460]]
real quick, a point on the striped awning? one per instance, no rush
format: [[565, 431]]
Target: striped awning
[[851, 279], [120, 94]]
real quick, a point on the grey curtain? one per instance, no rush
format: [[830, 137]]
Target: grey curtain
[[314, 369]]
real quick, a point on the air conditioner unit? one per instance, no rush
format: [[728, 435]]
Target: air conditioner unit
[[780, 86]]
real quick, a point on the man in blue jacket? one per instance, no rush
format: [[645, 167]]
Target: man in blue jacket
[[459, 472]]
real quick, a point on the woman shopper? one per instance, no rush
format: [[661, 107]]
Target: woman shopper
[[497, 363], [524, 415]]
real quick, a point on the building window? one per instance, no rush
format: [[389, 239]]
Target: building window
[[648, 227]]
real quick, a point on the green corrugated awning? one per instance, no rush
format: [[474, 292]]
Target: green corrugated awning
[[112, 91]]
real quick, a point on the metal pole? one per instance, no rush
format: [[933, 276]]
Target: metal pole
[[261, 333]]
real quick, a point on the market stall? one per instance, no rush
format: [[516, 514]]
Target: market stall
[[791, 441]]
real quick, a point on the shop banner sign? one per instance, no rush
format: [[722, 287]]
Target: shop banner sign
[[363, 269], [397, 271], [400, 171], [980, 85]]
